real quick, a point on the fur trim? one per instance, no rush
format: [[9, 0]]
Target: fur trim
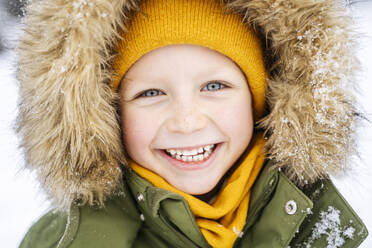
[[68, 119], [312, 57]]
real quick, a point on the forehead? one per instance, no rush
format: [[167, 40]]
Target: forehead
[[177, 60], [192, 58]]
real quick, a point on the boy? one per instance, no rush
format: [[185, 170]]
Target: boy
[[190, 82]]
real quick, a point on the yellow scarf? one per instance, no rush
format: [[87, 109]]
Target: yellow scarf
[[221, 223]]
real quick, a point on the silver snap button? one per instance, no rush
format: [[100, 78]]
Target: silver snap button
[[291, 207]]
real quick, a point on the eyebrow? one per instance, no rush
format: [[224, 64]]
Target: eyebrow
[[217, 70], [131, 88], [125, 81], [213, 70]]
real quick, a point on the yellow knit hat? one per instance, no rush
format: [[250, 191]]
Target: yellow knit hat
[[197, 22]]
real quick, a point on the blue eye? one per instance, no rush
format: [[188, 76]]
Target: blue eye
[[213, 86], [150, 93]]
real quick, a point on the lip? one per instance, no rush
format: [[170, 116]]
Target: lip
[[195, 165]]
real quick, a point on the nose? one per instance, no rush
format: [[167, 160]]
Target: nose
[[186, 119]]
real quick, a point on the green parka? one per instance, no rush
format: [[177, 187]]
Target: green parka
[[141, 215], [71, 136]]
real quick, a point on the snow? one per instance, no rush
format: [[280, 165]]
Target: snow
[[238, 232], [330, 226], [140, 197], [23, 203]]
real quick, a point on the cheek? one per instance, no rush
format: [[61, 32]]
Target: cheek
[[138, 131], [236, 120]]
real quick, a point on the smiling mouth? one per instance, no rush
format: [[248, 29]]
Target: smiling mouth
[[199, 154]]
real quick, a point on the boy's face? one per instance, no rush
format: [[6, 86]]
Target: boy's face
[[177, 101]]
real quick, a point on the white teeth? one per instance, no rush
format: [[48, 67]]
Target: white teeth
[[185, 158], [206, 154], [197, 154], [172, 152], [197, 158], [188, 153], [193, 152], [208, 147]]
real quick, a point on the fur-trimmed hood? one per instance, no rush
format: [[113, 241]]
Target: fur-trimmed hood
[[68, 118]]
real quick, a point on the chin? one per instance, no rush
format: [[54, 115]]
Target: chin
[[197, 188]]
